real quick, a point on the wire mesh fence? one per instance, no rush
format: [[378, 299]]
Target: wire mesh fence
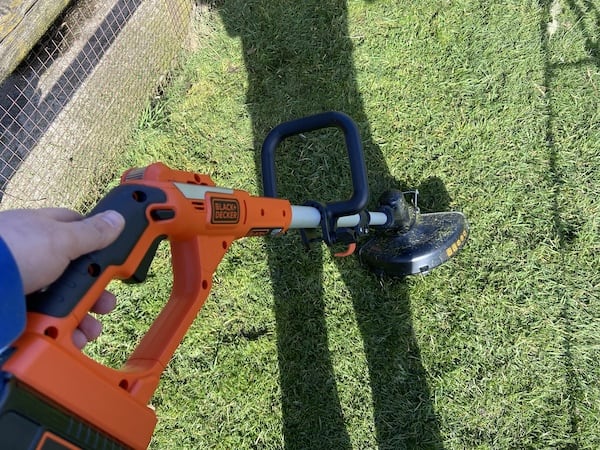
[[70, 106]]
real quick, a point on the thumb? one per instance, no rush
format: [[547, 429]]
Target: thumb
[[95, 232]]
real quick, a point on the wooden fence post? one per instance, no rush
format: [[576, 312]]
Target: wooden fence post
[[22, 24]]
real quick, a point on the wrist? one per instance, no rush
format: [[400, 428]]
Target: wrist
[[12, 298]]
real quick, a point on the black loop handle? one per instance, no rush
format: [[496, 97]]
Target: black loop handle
[[360, 194]]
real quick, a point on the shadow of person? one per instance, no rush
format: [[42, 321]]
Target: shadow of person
[[298, 56]]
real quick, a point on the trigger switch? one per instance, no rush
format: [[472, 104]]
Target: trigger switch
[[141, 272]]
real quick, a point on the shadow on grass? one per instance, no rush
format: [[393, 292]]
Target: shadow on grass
[[587, 9], [298, 56], [565, 231]]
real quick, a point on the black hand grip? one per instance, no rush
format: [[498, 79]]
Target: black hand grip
[[360, 194], [61, 297]]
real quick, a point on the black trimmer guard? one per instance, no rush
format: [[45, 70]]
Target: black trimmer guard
[[432, 240]]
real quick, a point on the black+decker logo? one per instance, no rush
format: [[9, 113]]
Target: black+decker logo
[[224, 211]]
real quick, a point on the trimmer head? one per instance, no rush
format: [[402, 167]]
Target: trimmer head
[[431, 240]]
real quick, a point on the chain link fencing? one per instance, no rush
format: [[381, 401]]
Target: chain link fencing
[[69, 108]]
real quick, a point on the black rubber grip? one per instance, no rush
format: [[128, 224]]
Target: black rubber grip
[[132, 201]]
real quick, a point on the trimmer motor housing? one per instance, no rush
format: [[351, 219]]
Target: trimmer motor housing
[[416, 243]]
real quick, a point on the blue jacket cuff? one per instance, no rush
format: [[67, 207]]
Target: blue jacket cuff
[[12, 298]]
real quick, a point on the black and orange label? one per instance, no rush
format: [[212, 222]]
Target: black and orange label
[[224, 211]]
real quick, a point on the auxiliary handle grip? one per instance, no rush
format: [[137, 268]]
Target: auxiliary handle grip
[[360, 194]]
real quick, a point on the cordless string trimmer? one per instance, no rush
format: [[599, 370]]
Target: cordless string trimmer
[[52, 396]]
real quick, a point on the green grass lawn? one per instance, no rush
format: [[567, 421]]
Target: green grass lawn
[[481, 108]]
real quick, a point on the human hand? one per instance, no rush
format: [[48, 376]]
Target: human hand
[[44, 241]]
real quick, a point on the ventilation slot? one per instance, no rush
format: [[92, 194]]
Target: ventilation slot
[[198, 205]]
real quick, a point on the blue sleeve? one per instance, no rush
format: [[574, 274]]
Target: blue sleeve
[[12, 298]]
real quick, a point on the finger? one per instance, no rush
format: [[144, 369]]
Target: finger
[[105, 304], [60, 214], [88, 330], [94, 233], [79, 339]]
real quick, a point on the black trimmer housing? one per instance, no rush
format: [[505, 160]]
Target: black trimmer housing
[[415, 243]]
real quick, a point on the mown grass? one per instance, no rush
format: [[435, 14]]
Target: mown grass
[[472, 102]]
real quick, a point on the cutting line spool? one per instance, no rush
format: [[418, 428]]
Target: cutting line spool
[[415, 242], [431, 241]]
